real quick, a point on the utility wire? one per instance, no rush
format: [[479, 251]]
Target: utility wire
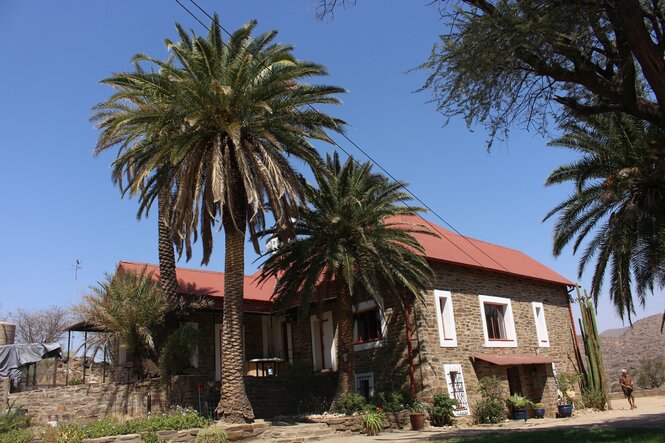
[[371, 159]]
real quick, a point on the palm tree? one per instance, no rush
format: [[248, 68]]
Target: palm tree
[[132, 308], [350, 243], [216, 125], [619, 202]]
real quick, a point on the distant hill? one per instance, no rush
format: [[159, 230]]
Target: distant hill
[[624, 348]]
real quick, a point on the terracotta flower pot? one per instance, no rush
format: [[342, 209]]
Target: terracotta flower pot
[[417, 421]]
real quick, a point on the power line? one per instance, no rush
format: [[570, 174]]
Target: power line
[[371, 159]]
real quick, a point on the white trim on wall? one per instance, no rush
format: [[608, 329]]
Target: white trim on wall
[[541, 324], [364, 306], [445, 317], [509, 322]]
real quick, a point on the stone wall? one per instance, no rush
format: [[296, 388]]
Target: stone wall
[[466, 285], [91, 401]]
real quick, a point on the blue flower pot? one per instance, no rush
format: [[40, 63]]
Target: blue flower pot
[[520, 414], [565, 410], [539, 412]]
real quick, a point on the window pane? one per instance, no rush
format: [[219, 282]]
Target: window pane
[[494, 320], [368, 324]]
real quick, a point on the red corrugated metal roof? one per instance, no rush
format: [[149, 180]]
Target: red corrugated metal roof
[[210, 283], [513, 359], [456, 249]]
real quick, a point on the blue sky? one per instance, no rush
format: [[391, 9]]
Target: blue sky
[[58, 202]]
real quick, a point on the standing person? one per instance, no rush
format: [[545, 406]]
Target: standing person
[[627, 387]]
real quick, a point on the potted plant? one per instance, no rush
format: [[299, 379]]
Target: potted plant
[[441, 411], [566, 382], [372, 421], [519, 406], [417, 416], [539, 410]]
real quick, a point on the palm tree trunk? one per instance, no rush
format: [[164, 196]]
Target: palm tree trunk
[[167, 275], [234, 405], [345, 353]]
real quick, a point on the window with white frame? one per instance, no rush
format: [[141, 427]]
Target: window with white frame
[[369, 326], [443, 301], [456, 388], [365, 384], [498, 322], [541, 325]]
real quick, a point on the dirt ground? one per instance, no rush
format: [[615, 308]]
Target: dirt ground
[[650, 412]]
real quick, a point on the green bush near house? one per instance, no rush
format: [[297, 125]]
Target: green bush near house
[[350, 403], [391, 401], [491, 407], [14, 425], [441, 411], [16, 436], [176, 353], [212, 435]]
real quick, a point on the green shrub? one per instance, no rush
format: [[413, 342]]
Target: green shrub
[[212, 435], [518, 402], [75, 381], [491, 407], [372, 422], [176, 353], [350, 403], [390, 401], [593, 398], [441, 411], [16, 436], [70, 433], [151, 437], [568, 381], [175, 419], [13, 419]]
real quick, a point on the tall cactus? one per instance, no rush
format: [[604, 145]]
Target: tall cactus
[[594, 378]]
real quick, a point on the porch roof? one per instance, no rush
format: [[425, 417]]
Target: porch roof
[[206, 283], [513, 359]]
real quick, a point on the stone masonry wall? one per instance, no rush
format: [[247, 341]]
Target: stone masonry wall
[[465, 284], [91, 401]]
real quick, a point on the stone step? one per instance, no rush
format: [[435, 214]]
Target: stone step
[[298, 433]]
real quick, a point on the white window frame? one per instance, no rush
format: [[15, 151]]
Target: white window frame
[[509, 322], [460, 409], [365, 306], [445, 318], [367, 376], [541, 324]]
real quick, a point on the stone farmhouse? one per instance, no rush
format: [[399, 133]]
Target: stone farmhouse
[[490, 311]]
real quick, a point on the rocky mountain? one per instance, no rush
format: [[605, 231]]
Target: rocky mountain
[[624, 348]]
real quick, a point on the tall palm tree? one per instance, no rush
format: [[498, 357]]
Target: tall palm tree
[[216, 124], [619, 203], [349, 243]]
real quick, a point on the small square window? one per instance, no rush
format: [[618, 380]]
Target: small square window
[[498, 323], [365, 384]]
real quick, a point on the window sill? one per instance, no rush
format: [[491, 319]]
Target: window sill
[[500, 343], [367, 345]]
